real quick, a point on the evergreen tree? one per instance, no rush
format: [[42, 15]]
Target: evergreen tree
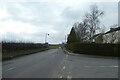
[[72, 37]]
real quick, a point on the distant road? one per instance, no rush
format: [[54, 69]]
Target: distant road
[[55, 63]]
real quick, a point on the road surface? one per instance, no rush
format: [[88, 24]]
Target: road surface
[[55, 63]]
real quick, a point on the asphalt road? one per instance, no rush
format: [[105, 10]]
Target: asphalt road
[[55, 63]]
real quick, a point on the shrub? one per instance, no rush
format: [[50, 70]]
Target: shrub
[[11, 47]]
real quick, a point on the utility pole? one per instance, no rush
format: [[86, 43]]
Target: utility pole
[[65, 39], [46, 34]]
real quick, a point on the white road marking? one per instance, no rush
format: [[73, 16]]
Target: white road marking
[[66, 55], [69, 77], [63, 67], [102, 66], [110, 66], [10, 68], [60, 76], [87, 66]]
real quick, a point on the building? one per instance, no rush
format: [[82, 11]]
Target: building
[[112, 36]]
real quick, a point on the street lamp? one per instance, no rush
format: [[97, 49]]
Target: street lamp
[[46, 37]]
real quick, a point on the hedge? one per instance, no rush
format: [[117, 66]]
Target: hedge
[[11, 49], [94, 49]]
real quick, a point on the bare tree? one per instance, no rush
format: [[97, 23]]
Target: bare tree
[[81, 31], [93, 20], [86, 29]]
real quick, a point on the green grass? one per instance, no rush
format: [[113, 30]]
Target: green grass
[[9, 55]]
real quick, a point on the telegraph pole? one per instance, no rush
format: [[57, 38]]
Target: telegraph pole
[[65, 39], [46, 34]]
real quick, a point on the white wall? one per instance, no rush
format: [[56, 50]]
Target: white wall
[[113, 37]]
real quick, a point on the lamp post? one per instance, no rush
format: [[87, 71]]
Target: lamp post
[[46, 34]]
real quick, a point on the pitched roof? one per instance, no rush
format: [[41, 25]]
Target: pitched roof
[[111, 30]]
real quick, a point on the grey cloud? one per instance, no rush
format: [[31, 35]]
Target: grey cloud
[[110, 13], [40, 12], [34, 37], [9, 36], [51, 15], [71, 13], [119, 13]]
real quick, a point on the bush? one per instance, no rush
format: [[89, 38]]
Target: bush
[[14, 49], [11, 47], [94, 49]]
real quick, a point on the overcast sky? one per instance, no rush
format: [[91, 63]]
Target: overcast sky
[[29, 20]]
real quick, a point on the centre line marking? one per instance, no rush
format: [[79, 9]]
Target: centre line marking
[[10, 68], [66, 56], [102, 66], [110, 66], [64, 67], [69, 77], [60, 76]]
